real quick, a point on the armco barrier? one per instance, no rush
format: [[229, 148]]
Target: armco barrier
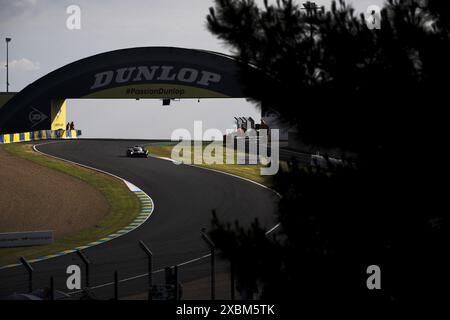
[[39, 135]]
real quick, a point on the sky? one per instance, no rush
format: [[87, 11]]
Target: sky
[[41, 43]]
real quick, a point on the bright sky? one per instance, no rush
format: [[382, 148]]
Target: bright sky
[[42, 43]]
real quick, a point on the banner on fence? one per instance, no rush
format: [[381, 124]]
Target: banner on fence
[[22, 239]]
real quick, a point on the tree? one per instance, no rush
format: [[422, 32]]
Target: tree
[[373, 94]]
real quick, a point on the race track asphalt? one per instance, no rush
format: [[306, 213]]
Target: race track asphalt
[[183, 196]]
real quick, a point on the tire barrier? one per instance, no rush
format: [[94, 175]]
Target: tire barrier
[[39, 135]]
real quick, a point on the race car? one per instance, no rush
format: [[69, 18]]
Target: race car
[[137, 151]]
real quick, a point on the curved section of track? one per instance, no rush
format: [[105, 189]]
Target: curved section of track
[[184, 197]]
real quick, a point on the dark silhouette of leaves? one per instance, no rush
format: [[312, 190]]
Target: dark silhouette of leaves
[[376, 95]]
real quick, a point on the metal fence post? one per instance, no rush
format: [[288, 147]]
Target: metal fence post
[[212, 247], [150, 267], [232, 279], [175, 280], [116, 286], [86, 262], [52, 288], [30, 270]]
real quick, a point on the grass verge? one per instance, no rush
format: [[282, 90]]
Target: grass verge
[[124, 206], [248, 171]]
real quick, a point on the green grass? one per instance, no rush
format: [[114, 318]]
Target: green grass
[[124, 206], [251, 172]]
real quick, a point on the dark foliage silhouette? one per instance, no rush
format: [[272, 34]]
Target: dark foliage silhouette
[[376, 95]]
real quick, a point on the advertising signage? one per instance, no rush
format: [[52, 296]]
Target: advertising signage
[[147, 72]]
